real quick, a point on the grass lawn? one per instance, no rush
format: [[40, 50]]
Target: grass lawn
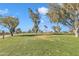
[[43, 45]]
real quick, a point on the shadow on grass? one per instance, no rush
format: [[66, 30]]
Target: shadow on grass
[[31, 35], [41, 34]]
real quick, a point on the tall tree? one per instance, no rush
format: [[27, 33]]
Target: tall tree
[[10, 23], [68, 14], [54, 15], [35, 17]]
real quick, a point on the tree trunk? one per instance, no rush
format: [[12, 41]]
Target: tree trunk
[[76, 27], [77, 32], [11, 32], [36, 28], [3, 33]]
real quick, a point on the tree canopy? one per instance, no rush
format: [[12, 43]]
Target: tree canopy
[[10, 22], [66, 13]]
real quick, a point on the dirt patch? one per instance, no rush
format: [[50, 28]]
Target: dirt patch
[[43, 37]]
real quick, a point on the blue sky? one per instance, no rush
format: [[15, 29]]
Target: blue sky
[[20, 10]]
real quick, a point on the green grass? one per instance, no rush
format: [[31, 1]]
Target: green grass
[[53, 45]]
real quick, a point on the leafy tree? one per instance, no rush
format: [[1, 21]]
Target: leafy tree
[[30, 31], [56, 29], [10, 23], [54, 16], [35, 18], [67, 14], [18, 30]]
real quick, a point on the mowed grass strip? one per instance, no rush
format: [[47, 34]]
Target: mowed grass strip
[[43, 45]]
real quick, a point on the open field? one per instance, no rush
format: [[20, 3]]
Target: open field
[[40, 45]]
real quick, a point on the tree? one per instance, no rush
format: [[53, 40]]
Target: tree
[[30, 31], [10, 23], [54, 15], [35, 18], [18, 30], [67, 14], [56, 29]]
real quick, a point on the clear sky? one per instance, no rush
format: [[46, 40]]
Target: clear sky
[[20, 10]]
